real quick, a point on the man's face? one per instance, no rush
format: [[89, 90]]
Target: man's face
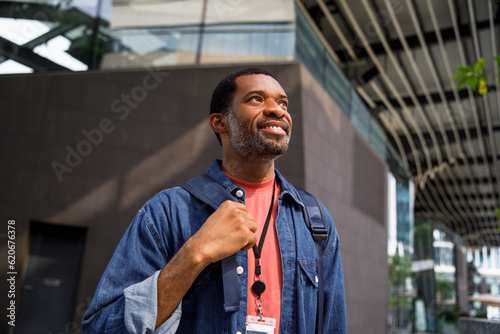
[[259, 123]]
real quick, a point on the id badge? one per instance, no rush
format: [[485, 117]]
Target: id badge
[[258, 325]]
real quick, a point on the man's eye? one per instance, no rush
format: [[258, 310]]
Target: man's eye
[[255, 98], [283, 103]]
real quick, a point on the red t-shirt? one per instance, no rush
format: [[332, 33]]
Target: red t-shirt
[[258, 201]]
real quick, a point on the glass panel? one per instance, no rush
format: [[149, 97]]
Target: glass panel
[[156, 13], [248, 42], [405, 228], [377, 139], [309, 50], [337, 86], [360, 116], [154, 46], [53, 35], [255, 11], [220, 44]]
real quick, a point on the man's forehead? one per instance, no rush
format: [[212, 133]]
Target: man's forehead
[[258, 82]]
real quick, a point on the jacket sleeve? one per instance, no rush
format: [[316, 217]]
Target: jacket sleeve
[[126, 298], [334, 313]]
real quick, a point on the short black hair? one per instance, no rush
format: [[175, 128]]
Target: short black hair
[[223, 94]]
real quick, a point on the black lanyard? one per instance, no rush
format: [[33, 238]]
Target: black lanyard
[[257, 250]]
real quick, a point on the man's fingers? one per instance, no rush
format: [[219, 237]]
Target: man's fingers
[[252, 226], [250, 244], [242, 208], [238, 205]]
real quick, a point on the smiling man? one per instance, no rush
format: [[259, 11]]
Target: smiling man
[[170, 272]]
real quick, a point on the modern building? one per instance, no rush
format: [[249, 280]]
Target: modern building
[[486, 278], [112, 108]]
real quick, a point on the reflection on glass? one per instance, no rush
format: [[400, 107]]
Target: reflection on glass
[[219, 44], [53, 35], [259, 42]]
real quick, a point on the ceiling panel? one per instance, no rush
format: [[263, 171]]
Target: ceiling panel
[[448, 139]]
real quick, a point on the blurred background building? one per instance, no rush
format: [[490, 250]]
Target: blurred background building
[[104, 102]]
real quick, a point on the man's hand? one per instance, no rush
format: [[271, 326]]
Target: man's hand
[[229, 229]]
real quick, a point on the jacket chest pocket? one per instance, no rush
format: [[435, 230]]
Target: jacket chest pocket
[[308, 285], [308, 274], [307, 297]]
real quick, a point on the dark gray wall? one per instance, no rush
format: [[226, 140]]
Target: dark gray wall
[[351, 180], [148, 130]]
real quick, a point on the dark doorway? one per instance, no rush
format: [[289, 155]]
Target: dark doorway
[[47, 302]]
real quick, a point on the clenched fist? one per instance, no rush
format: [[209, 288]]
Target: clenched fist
[[229, 229]]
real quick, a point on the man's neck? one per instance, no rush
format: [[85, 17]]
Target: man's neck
[[249, 171]]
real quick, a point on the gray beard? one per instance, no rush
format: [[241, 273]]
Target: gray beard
[[254, 146]]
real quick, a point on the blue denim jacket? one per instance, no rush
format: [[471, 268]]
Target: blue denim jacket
[[125, 299]]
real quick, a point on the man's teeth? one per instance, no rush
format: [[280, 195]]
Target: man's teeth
[[272, 127]]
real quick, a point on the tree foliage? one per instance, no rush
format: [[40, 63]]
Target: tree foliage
[[399, 273]]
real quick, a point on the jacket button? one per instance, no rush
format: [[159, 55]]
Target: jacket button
[[238, 332], [239, 270], [239, 193], [316, 279]]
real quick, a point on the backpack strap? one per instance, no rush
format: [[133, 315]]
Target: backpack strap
[[313, 216], [212, 193], [315, 221]]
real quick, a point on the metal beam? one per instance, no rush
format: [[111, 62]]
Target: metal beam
[[478, 160], [489, 209], [430, 38], [449, 134], [59, 30], [436, 98], [468, 181], [455, 198], [27, 57]]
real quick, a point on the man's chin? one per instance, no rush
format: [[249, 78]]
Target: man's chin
[[268, 153], [276, 141], [275, 151]]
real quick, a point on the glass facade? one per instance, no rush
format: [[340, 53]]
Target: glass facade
[[400, 250], [43, 35], [77, 35], [404, 205], [485, 277], [167, 46], [200, 32], [436, 305]]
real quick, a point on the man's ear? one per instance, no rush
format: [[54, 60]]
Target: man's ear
[[218, 122]]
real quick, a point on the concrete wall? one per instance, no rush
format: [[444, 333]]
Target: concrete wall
[[138, 132], [473, 326], [351, 180]]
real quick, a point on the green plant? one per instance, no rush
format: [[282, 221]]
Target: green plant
[[474, 76], [399, 272], [445, 289], [480, 314]]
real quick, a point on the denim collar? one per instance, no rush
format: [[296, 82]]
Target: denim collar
[[215, 172]]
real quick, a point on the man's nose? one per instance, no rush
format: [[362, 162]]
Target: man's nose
[[274, 109]]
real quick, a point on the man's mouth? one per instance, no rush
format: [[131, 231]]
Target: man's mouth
[[275, 127]]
